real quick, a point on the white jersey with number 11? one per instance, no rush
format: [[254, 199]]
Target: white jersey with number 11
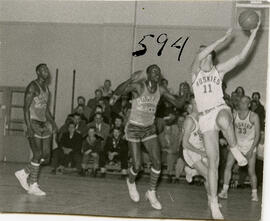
[[207, 88]]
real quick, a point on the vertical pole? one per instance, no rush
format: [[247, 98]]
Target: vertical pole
[[55, 93], [73, 90]]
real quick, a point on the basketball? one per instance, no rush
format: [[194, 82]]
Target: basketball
[[248, 19]]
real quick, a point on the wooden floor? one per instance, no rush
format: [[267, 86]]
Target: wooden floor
[[71, 194]]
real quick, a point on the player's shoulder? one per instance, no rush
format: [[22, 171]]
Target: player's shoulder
[[32, 87]]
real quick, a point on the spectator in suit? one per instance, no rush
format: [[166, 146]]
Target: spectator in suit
[[103, 130], [93, 102], [69, 151], [82, 105], [116, 150], [91, 147], [106, 88], [80, 124], [256, 96]]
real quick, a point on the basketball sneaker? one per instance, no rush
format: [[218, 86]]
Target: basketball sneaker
[[151, 196], [35, 190], [133, 193], [22, 176], [223, 194], [190, 173], [215, 211], [254, 197]]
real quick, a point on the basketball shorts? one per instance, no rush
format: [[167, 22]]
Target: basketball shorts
[[42, 130], [136, 133], [192, 157], [245, 148], [208, 122]]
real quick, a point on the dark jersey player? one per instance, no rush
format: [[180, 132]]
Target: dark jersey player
[[141, 128], [40, 126]]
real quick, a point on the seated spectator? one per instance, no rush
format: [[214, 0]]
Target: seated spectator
[[118, 123], [260, 159], [93, 102], [80, 125], [63, 129], [165, 83], [103, 130], [106, 110], [121, 107], [240, 92], [170, 142], [256, 96], [81, 105], [235, 99], [116, 150], [69, 151], [91, 147], [106, 88], [80, 110]]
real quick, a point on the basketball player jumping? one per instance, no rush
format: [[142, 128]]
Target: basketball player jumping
[[214, 114], [247, 130], [141, 128], [40, 126]]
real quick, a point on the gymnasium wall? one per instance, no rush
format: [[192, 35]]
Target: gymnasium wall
[[100, 47]]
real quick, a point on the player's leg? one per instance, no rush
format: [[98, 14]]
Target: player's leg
[[46, 151], [212, 150], [252, 176], [153, 148], [227, 176], [225, 123], [203, 171], [135, 149]]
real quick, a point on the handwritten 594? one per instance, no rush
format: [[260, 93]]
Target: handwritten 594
[[162, 39]]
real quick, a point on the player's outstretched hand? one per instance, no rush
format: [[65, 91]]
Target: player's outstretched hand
[[136, 76], [258, 25]]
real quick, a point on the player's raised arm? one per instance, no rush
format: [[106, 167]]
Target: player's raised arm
[[207, 50], [204, 51], [227, 66], [177, 101], [126, 86]]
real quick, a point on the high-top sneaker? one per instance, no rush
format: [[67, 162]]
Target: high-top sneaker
[[133, 193], [35, 190], [22, 177], [151, 196]]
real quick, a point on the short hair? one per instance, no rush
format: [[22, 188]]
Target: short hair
[[98, 90], [258, 93], [108, 80], [241, 89], [99, 106], [71, 123], [119, 117], [81, 97], [92, 128], [40, 65], [164, 79], [150, 67], [76, 114]]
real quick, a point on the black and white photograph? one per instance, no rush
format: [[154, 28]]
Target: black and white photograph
[[134, 109]]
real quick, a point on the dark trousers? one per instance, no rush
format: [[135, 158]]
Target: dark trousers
[[60, 158], [259, 171], [122, 157]]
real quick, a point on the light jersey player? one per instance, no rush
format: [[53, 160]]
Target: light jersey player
[[247, 130], [40, 126], [214, 114], [194, 151], [141, 127]]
